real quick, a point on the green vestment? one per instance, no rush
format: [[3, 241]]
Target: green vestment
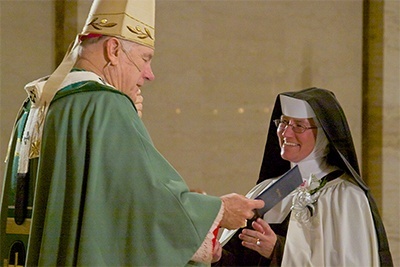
[[104, 195]]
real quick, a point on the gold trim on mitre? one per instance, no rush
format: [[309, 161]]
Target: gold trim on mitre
[[132, 20]]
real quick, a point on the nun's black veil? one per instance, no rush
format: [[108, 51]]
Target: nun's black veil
[[342, 152]]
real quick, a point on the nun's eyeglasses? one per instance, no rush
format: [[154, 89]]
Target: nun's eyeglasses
[[297, 128]]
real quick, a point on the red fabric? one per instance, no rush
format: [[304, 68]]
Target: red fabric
[[214, 240], [89, 35]]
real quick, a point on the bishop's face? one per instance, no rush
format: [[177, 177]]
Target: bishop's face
[[135, 69], [130, 69], [297, 138]]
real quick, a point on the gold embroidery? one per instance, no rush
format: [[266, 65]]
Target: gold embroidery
[[140, 33], [36, 140], [35, 148], [13, 228], [101, 24]]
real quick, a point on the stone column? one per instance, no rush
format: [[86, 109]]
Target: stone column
[[381, 112]]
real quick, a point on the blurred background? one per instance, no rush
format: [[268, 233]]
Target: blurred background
[[219, 65]]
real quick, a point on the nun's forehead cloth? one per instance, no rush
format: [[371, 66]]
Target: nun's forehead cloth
[[296, 108]]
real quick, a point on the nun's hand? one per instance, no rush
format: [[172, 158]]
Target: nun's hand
[[262, 239]]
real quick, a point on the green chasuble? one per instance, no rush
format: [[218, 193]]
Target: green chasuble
[[14, 233], [104, 195]]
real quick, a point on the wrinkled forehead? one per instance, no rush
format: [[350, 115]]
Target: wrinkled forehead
[[296, 108]]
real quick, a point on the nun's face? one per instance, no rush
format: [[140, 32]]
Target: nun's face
[[297, 138]]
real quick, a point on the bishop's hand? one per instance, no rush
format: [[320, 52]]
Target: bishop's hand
[[237, 209]]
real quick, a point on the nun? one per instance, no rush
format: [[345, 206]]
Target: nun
[[331, 219]]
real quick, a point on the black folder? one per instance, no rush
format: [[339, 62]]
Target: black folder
[[279, 190]]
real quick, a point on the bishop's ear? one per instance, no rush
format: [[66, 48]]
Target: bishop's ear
[[112, 50]]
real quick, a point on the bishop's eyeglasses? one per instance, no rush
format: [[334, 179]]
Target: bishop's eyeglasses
[[297, 128]]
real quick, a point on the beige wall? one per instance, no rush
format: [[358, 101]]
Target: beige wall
[[26, 53], [215, 59], [219, 65]]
